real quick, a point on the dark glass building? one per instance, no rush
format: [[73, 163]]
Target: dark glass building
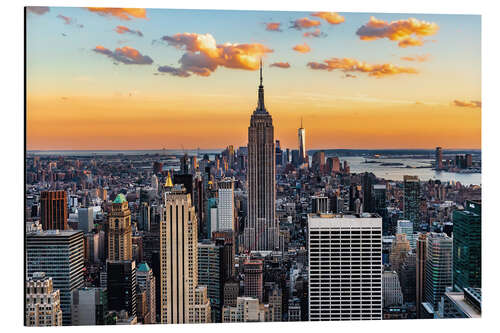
[[122, 286], [467, 246]]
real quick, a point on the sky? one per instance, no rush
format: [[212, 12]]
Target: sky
[[102, 78]]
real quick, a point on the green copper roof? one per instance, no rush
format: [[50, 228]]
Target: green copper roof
[[143, 267], [120, 198]]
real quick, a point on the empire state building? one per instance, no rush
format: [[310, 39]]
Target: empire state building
[[261, 230]]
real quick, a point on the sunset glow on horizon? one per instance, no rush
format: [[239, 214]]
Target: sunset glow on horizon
[[117, 79]]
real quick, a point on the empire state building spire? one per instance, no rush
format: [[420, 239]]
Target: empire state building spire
[[261, 108], [261, 228]]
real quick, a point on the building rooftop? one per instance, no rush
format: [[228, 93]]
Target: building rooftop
[[120, 198], [347, 215], [143, 267]]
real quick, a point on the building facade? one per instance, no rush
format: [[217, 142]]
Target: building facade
[[119, 230], [178, 259], [345, 267], [43, 303], [59, 254], [225, 206], [411, 200], [438, 267], [54, 210], [467, 246], [261, 230]]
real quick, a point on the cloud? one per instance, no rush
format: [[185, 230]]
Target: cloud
[[304, 23], [280, 64], [173, 71], [273, 26], [39, 10], [352, 65], [401, 31], [315, 33], [467, 104], [302, 48], [123, 29], [351, 76], [330, 17], [122, 13], [417, 58], [69, 21], [203, 55], [126, 55]]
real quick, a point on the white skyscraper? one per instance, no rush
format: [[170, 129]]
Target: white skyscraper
[[345, 267], [225, 207], [302, 144], [180, 295]]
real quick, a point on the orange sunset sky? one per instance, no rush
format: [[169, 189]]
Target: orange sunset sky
[[102, 79]]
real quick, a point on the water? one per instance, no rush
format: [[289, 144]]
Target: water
[[356, 164], [397, 173]]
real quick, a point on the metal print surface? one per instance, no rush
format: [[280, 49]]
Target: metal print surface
[[202, 166]]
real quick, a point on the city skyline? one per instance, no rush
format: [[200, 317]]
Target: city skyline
[[89, 103]]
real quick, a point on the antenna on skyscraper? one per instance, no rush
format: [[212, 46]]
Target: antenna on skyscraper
[[260, 71]]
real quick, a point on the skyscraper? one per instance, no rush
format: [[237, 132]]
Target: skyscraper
[[345, 267], [120, 230], [467, 246], [43, 303], [302, 144], [211, 274], [146, 281], [54, 210], [179, 259], [411, 200], [420, 271], [86, 219], [59, 254], [438, 267], [253, 284], [225, 207], [261, 231], [122, 286], [318, 161], [439, 158]]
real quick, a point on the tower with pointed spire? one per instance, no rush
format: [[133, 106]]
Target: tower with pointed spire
[[302, 144], [261, 229]]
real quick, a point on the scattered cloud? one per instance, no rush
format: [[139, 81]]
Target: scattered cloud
[[273, 26], [305, 23], [467, 104], [69, 21], [417, 58], [126, 55], [349, 76], [330, 17], [173, 71], [123, 29], [125, 14], [315, 33], [348, 65], [203, 55], [407, 32], [280, 64], [39, 10], [302, 48]]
